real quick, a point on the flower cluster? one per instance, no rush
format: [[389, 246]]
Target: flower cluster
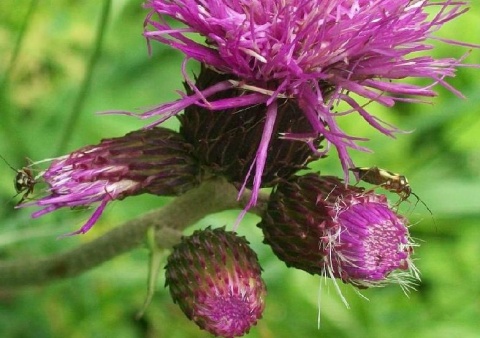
[[263, 106]]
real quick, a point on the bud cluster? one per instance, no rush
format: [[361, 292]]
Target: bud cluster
[[314, 223]]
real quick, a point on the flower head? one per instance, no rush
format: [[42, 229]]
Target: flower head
[[156, 161], [225, 141], [215, 278], [317, 224], [314, 52]]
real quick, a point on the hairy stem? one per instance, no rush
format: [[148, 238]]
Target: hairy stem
[[211, 196]]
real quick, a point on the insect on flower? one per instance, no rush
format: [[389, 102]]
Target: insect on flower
[[388, 180], [24, 181]]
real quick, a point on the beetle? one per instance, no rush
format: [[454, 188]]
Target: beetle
[[388, 180], [24, 182]]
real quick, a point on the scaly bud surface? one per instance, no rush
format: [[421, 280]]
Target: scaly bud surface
[[215, 278], [226, 141]]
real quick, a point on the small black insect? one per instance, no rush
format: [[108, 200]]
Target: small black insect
[[388, 180], [24, 182]]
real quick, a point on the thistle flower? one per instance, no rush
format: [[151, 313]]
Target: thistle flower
[[156, 161], [214, 277], [225, 141], [315, 53], [317, 224]]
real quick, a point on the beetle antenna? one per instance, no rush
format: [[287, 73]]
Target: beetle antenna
[[426, 206], [4, 160]]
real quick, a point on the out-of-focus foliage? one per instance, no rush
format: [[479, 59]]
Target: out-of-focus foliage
[[441, 158]]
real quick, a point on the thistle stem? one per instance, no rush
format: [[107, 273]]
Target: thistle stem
[[211, 196]]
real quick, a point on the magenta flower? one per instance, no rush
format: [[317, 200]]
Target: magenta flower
[[215, 278], [155, 161], [317, 224], [315, 52]]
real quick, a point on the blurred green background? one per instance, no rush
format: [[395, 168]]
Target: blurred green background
[[45, 52]]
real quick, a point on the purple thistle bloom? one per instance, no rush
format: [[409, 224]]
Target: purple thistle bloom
[[315, 52], [155, 161], [317, 224]]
